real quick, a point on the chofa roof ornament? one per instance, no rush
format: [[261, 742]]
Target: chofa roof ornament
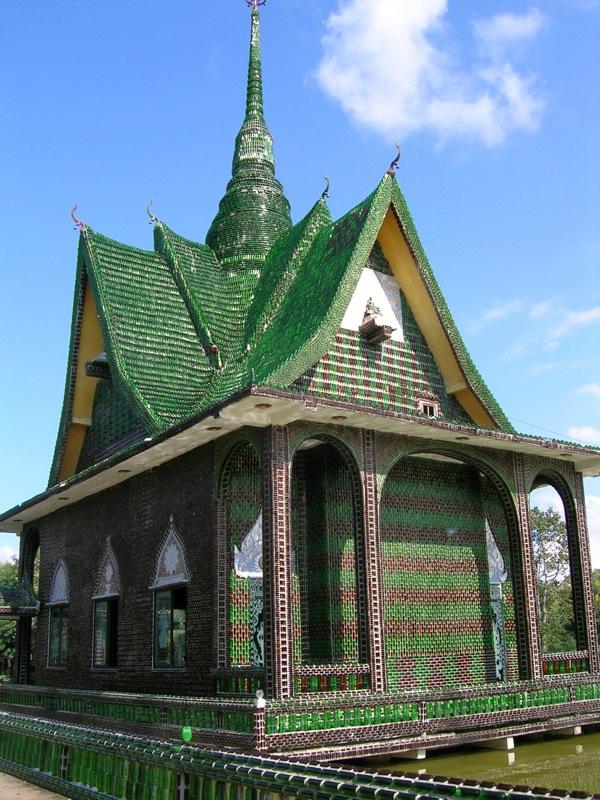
[[325, 194], [153, 218], [394, 165], [79, 223]]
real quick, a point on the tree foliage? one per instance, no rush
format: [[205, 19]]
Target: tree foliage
[[555, 596], [8, 577]]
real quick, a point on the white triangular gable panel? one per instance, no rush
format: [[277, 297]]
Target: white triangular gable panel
[[171, 567], [384, 292], [59, 589]]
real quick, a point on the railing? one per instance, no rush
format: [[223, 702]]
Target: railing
[[87, 764], [564, 663], [212, 715], [240, 683], [313, 678], [317, 720]]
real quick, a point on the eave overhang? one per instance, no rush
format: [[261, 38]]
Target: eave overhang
[[262, 407]]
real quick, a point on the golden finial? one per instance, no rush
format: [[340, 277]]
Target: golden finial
[[153, 218], [395, 162], [79, 224]]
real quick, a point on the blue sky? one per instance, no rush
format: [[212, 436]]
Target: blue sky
[[497, 107]]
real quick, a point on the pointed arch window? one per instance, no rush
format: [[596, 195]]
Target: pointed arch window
[[170, 602], [106, 612], [58, 604]]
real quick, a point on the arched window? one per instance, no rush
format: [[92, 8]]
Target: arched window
[[106, 611], [58, 603], [170, 602]]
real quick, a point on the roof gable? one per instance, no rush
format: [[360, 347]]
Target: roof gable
[[402, 247], [311, 310]]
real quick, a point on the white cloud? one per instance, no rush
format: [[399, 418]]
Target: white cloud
[[495, 314], [388, 68], [585, 433], [545, 368], [556, 323], [547, 498], [7, 553], [586, 5], [577, 319], [590, 388], [593, 517], [498, 32], [542, 309]]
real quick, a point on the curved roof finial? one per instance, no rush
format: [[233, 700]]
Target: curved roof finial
[[79, 223], [325, 194], [394, 165], [256, 3], [153, 218]]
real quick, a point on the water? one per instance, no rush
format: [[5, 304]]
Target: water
[[566, 763]]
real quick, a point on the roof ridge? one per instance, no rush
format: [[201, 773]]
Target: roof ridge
[[274, 283], [91, 233], [164, 247]]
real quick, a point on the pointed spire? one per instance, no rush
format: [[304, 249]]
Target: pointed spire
[[254, 95], [254, 211]]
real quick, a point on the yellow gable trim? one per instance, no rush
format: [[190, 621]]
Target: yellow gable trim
[[411, 282], [90, 344]]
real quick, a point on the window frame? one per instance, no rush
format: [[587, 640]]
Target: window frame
[[425, 405], [171, 590], [111, 644], [63, 635]]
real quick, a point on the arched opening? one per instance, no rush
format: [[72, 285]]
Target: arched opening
[[451, 575], [328, 590], [27, 626], [557, 565], [241, 503]]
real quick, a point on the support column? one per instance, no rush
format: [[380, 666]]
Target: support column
[[528, 576], [221, 583], [585, 567], [22, 650], [373, 587], [276, 563]]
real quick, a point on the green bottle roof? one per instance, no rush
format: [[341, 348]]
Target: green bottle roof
[[190, 325], [254, 212]]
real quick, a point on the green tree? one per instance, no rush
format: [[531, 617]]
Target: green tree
[[555, 597], [8, 628]]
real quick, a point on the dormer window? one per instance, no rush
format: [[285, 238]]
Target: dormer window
[[429, 408]]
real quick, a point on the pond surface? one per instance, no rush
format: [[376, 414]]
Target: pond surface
[[566, 763]]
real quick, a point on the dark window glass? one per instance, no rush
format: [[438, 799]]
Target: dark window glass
[[59, 636], [170, 612], [106, 626]]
